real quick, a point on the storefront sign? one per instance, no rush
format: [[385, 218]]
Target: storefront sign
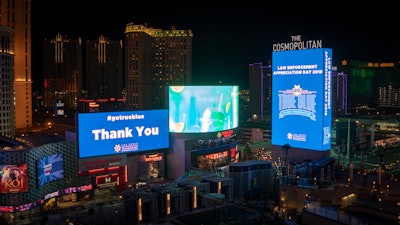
[[152, 157], [109, 180]]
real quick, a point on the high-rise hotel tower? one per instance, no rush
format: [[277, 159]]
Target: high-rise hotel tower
[[104, 68], [16, 15], [62, 73], [7, 117], [260, 85], [155, 59]]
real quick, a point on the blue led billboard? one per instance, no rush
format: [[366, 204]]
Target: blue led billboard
[[199, 109], [106, 133], [301, 98], [50, 168]]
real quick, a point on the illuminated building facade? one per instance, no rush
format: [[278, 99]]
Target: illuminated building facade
[[155, 58], [388, 96], [208, 151], [33, 190], [372, 85], [46, 184], [360, 84], [7, 119], [62, 73], [388, 85], [339, 93], [104, 68], [256, 105], [244, 101], [17, 16], [260, 85]]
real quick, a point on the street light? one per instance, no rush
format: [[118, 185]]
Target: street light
[[194, 197], [306, 200], [168, 203], [139, 206], [387, 190], [380, 155], [398, 212]]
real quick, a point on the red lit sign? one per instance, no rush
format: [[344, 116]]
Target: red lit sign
[[227, 133], [217, 155], [152, 158]]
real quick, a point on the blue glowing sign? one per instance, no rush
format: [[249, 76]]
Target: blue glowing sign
[[301, 98], [50, 168], [107, 133]]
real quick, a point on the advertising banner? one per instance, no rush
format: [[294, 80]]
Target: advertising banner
[[50, 168], [14, 178], [106, 133], [301, 98], [199, 109]]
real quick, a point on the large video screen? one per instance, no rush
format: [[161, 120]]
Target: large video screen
[[50, 168], [199, 109], [301, 98], [14, 178], [106, 133]]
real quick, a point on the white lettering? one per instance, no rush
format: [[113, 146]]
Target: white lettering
[[296, 45], [147, 131], [102, 134], [125, 117]]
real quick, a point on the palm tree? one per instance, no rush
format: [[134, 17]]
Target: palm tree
[[286, 147], [246, 153]]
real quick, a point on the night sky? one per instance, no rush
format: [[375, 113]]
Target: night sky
[[227, 36]]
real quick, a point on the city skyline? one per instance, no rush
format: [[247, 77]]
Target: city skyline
[[227, 37]]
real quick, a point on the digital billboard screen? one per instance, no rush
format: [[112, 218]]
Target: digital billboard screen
[[199, 109], [14, 178], [50, 168], [301, 98], [106, 133]]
